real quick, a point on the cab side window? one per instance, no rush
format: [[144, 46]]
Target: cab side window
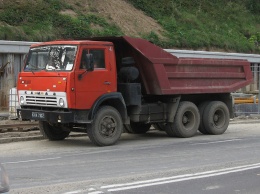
[[98, 57]]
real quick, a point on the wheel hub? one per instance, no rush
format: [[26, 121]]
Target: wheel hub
[[185, 119], [188, 120], [108, 126], [219, 118], [216, 118]]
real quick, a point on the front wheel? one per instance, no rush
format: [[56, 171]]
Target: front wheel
[[53, 132], [106, 128]]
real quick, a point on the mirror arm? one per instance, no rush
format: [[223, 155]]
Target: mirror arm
[[80, 76]]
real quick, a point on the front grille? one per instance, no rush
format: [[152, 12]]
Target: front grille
[[41, 100]]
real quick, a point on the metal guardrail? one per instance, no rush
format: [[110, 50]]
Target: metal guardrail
[[245, 104], [245, 100]]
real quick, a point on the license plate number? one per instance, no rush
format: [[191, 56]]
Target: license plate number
[[38, 115]]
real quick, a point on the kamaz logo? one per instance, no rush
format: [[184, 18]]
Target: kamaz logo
[[39, 93]]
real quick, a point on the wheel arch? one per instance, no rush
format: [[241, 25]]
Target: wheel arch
[[115, 100]]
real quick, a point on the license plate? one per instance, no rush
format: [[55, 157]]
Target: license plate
[[38, 115]]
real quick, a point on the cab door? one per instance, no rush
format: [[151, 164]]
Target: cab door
[[93, 83]]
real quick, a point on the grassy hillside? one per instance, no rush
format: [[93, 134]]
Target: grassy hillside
[[228, 25], [232, 25], [43, 20]]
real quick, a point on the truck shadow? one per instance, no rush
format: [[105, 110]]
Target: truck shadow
[[126, 138]]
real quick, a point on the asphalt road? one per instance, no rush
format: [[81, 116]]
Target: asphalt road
[[149, 163]]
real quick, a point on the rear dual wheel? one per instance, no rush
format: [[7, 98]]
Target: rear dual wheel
[[215, 118], [186, 122], [211, 117]]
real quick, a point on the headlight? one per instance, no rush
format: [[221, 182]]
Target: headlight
[[61, 102], [22, 100]]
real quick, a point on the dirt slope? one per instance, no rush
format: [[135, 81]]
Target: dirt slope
[[131, 21]]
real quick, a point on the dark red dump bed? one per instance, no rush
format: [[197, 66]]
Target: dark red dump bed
[[163, 73]]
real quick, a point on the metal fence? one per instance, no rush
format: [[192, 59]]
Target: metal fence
[[246, 101]]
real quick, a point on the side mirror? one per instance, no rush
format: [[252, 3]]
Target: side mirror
[[4, 181], [89, 60]]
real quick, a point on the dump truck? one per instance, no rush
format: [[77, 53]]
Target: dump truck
[[107, 85]]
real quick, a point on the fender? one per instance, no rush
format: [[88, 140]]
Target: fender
[[172, 108], [115, 100]]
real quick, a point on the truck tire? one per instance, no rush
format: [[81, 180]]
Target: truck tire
[[186, 122], [201, 108], [52, 132], [216, 117], [106, 128], [137, 128]]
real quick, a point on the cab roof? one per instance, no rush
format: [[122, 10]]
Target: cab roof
[[73, 42]]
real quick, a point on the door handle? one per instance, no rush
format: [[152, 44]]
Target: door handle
[[107, 83]]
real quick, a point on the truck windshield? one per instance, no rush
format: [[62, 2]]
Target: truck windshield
[[52, 58]]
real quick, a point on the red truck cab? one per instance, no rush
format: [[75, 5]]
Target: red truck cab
[[51, 75], [55, 66]]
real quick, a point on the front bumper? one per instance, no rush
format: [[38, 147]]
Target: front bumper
[[43, 115]]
